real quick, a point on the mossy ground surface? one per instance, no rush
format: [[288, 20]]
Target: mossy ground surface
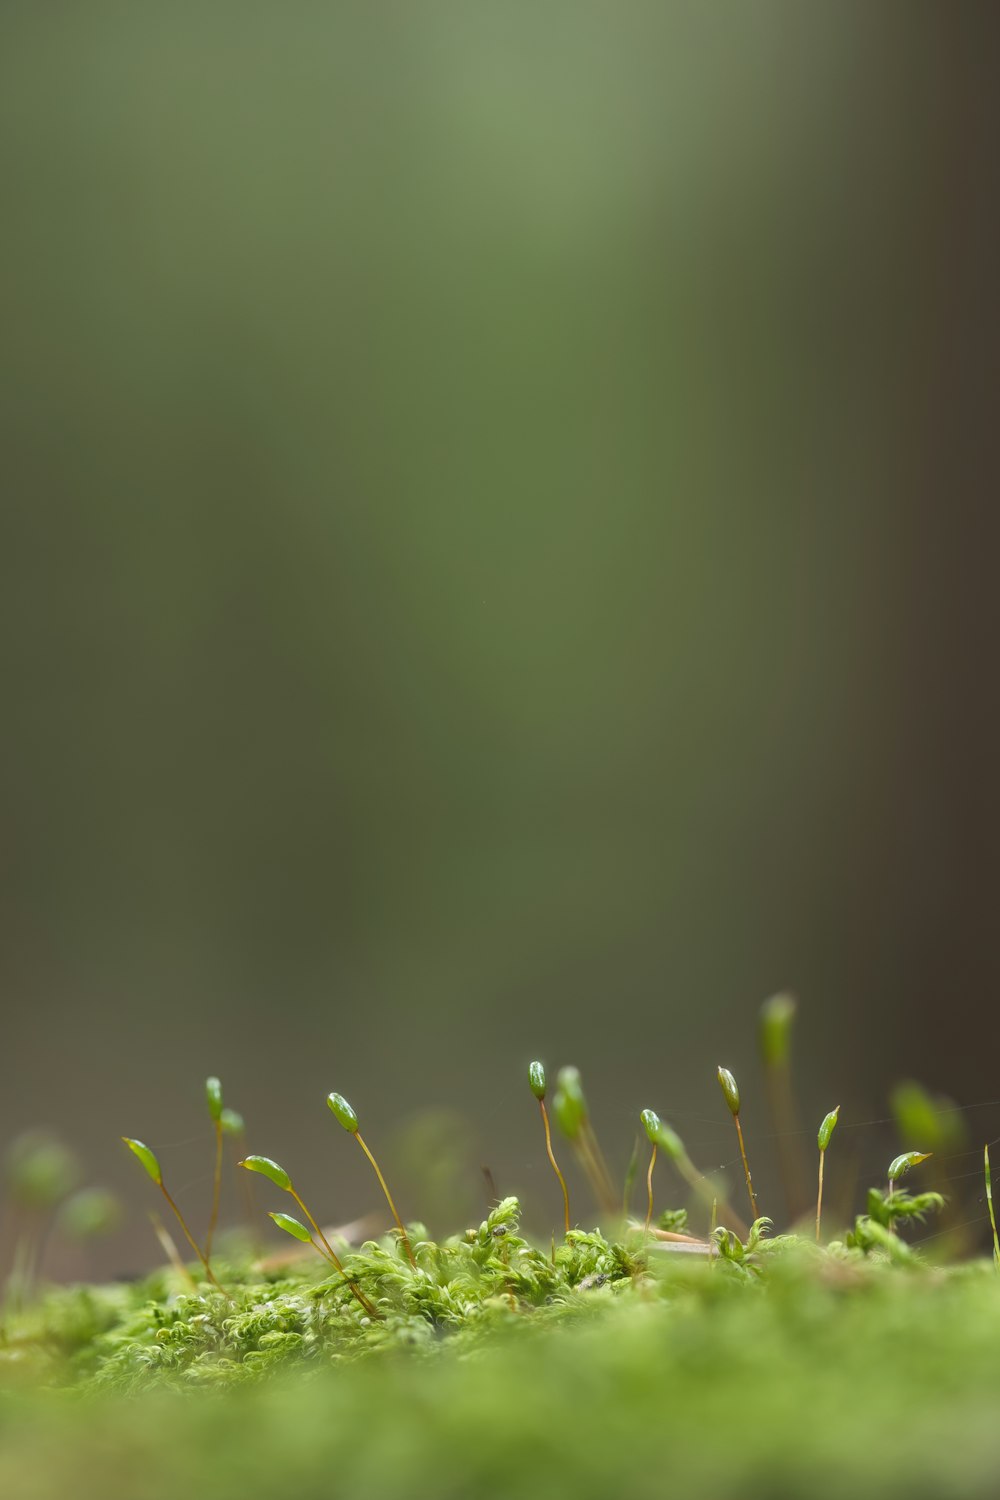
[[772, 1370]]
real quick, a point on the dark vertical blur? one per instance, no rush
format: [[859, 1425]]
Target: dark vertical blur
[[497, 560]]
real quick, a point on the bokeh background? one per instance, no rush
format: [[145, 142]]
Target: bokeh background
[[497, 561]]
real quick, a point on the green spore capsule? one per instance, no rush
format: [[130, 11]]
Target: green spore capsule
[[569, 1114], [776, 1017], [213, 1097], [569, 1104], [827, 1128], [349, 1120], [669, 1141], [147, 1158], [922, 1116], [571, 1083], [232, 1123], [901, 1164], [730, 1092], [823, 1140], [40, 1170], [152, 1167], [90, 1213], [268, 1168], [292, 1226], [536, 1081], [652, 1124], [343, 1112]]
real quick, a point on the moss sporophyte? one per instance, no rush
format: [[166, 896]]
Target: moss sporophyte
[[343, 1112], [264, 1309]]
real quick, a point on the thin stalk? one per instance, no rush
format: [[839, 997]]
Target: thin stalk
[[603, 1186], [785, 1124], [989, 1204], [166, 1242], [28, 1236], [17, 1278], [746, 1167], [388, 1198], [777, 1017], [216, 1190], [210, 1274], [823, 1138], [589, 1167], [649, 1190], [819, 1194], [699, 1183], [596, 1173], [328, 1249], [630, 1174], [552, 1161], [334, 1259]]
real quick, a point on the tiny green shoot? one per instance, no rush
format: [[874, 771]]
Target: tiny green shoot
[[90, 1213], [536, 1082], [823, 1140], [166, 1243], [731, 1094], [777, 1016], [268, 1168], [989, 1205], [902, 1163], [573, 1117], [345, 1114], [147, 1157], [213, 1098], [277, 1174], [652, 1125], [294, 1227], [152, 1166], [630, 1175]]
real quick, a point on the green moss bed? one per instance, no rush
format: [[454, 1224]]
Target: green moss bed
[[589, 1368]]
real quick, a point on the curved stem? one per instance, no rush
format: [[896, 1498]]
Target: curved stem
[[169, 1249], [989, 1204], [552, 1160], [216, 1189], [746, 1167], [602, 1177], [649, 1189], [819, 1195], [332, 1256], [193, 1242], [785, 1124], [388, 1198]]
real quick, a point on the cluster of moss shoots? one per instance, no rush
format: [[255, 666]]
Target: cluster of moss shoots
[[207, 1319]]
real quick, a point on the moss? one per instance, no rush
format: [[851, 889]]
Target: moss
[[815, 1374], [166, 1331], [616, 1361]]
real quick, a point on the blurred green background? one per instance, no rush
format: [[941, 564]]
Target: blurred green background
[[495, 562]]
